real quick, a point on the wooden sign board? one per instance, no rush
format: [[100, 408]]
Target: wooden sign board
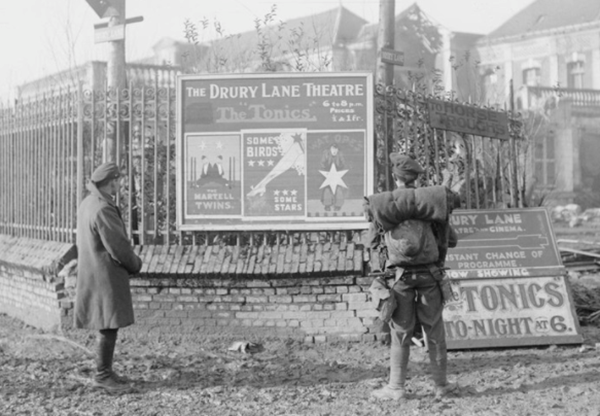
[[109, 34], [461, 118], [503, 243], [509, 283], [393, 57], [511, 312]]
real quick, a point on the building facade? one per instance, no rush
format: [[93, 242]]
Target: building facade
[[545, 62]]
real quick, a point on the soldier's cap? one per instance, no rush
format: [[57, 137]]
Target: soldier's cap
[[108, 170], [404, 163]]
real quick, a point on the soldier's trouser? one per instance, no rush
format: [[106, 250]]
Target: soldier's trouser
[[417, 294], [105, 351]]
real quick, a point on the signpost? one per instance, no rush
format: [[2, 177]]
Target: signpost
[[274, 152], [468, 119], [113, 33], [508, 281]]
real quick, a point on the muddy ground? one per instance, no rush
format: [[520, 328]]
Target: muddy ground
[[42, 374], [46, 374]]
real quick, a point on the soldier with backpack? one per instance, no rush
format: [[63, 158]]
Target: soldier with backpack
[[416, 237]]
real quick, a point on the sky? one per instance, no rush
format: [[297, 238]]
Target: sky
[[40, 37]]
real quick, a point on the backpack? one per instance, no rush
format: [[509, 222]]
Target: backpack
[[411, 243]]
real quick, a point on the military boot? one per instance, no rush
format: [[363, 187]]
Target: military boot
[[438, 361], [395, 390]]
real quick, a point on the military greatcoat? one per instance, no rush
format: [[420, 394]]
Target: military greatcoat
[[105, 261]]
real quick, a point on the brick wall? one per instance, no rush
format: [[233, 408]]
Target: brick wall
[[311, 309], [315, 293], [30, 288]]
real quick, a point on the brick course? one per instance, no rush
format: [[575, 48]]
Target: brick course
[[200, 291], [31, 288]]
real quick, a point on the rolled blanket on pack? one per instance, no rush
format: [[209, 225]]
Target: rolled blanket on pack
[[431, 203]]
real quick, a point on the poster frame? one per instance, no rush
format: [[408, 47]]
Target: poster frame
[[333, 223]]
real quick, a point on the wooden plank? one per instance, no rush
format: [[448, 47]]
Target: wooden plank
[[168, 259], [148, 253], [287, 262], [325, 257], [280, 259], [177, 259], [198, 259], [142, 252], [241, 260], [581, 252], [205, 259], [341, 262], [250, 260], [234, 260], [259, 260], [273, 260], [266, 260], [288, 253], [220, 257], [190, 258], [334, 256], [226, 261], [318, 258], [165, 260], [296, 259], [184, 259], [303, 257], [310, 258], [350, 251], [156, 254], [212, 259]]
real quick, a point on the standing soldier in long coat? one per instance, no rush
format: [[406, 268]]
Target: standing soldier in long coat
[[105, 261]]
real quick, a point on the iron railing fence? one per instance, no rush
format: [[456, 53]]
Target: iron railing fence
[[487, 172], [38, 188], [50, 145]]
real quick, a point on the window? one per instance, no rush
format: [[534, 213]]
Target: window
[[531, 77], [544, 160], [576, 71]]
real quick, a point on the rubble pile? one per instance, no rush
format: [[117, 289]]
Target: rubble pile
[[581, 258], [574, 216], [587, 303]]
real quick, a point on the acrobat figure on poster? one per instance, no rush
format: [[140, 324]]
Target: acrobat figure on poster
[[292, 157]]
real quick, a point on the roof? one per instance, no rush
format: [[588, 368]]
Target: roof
[[314, 33], [331, 27], [549, 14]]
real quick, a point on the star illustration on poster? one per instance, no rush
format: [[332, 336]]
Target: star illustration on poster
[[333, 178]]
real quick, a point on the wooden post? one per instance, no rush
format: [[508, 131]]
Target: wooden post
[[115, 76], [385, 76], [514, 184]]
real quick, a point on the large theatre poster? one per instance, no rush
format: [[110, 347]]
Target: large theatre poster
[[274, 152]]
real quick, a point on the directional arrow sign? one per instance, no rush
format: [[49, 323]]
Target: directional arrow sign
[[521, 241]]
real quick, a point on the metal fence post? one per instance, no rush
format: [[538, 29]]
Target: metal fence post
[[80, 149]]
